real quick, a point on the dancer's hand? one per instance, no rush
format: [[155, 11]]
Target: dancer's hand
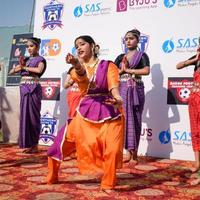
[[116, 102], [71, 59], [22, 61], [124, 64]]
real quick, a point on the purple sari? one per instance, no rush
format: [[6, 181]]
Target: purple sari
[[132, 92], [30, 106], [92, 108]]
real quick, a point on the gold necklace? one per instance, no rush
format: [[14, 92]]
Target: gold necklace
[[91, 69], [92, 65]]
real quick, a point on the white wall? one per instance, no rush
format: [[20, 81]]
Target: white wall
[[175, 21]]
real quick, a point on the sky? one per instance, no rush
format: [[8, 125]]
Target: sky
[[15, 12]]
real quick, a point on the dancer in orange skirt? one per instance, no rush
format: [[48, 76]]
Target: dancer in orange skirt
[[97, 130], [73, 98]]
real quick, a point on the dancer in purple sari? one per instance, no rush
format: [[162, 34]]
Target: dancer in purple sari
[[30, 69], [132, 66]]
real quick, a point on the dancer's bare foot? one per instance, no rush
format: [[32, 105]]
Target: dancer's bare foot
[[195, 181], [127, 157], [32, 150], [195, 168], [51, 180], [134, 157], [133, 162]]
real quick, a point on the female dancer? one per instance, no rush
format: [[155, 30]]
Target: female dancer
[[97, 129], [132, 66], [194, 106], [31, 69]]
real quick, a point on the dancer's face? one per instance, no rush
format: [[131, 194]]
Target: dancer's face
[[84, 49], [32, 48], [131, 41]]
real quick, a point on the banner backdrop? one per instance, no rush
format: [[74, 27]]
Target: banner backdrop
[[18, 49], [170, 31]]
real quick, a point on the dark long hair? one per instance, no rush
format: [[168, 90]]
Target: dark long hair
[[35, 41], [91, 41]]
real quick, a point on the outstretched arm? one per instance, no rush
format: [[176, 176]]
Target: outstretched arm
[[15, 69], [79, 69], [188, 62]]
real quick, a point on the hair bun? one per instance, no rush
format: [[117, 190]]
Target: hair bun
[[135, 31], [35, 40]]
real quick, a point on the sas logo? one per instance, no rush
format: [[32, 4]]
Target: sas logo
[[93, 9], [52, 15], [182, 138], [50, 47], [48, 129], [142, 45], [178, 137], [78, 11], [74, 51], [168, 46], [165, 137], [181, 3], [169, 3], [181, 45], [88, 9]]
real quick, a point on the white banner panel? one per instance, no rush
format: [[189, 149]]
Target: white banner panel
[[170, 31]]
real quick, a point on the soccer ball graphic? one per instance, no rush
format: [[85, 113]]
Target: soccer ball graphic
[[48, 91], [52, 16], [184, 94], [46, 129]]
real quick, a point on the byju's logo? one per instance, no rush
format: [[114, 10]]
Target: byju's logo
[[168, 46], [78, 11], [164, 137], [121, 5], [169, 3], [52, 15]]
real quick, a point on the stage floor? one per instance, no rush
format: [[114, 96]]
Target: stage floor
[[22, 176]]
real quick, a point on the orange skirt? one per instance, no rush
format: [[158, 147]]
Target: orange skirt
[[73, 98], [99, 147]]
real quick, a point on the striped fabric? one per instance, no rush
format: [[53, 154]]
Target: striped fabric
[[133, 104]]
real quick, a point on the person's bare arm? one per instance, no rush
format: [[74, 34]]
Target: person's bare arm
[[186, 63]]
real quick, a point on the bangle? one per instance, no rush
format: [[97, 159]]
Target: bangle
[[80, 71], [118, 98]]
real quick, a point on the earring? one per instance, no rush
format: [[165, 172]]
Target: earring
[[96, 49]]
